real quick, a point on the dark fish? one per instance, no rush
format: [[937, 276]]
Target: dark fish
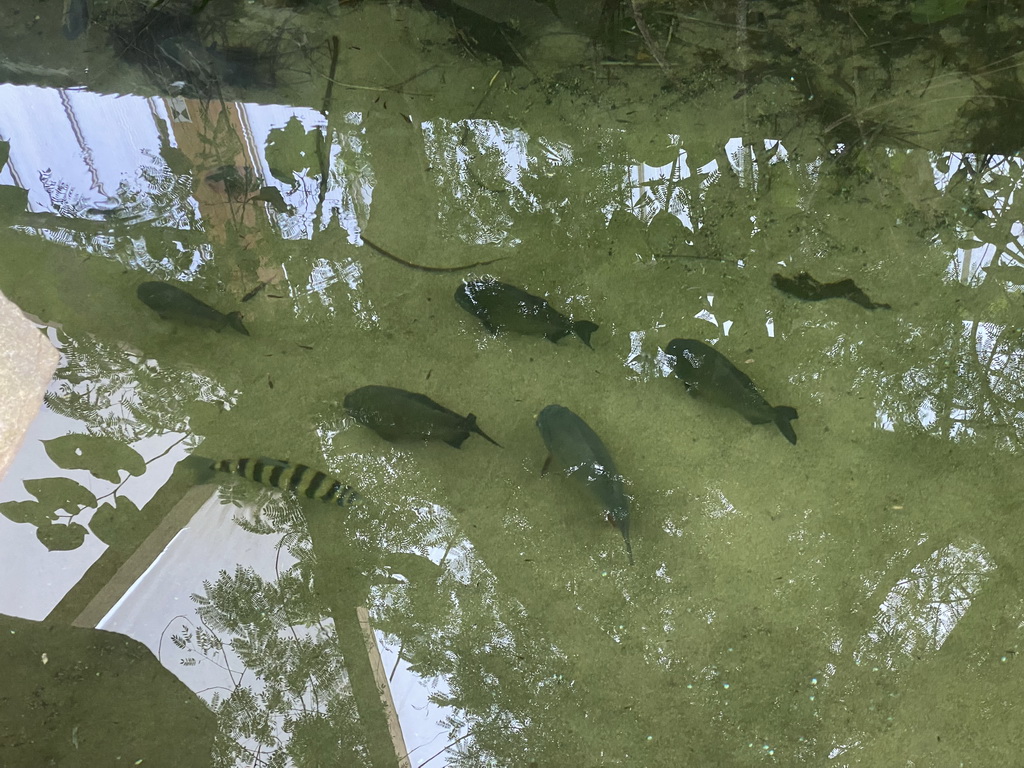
[[709, 375], [500, 306], [172, 303], [576, 448], [294, 478], [395, 414], [805, 287]]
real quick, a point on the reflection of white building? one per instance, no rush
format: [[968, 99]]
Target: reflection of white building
[[98, 157]]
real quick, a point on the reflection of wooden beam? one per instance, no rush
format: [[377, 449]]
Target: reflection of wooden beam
[[166, 513], [341, 566], [142, 558], [381, 676]]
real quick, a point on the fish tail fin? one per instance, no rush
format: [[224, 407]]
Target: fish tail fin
[[471, 425], [583, 329], [783, 415], [629, 550], [235, 321], [556, 336]]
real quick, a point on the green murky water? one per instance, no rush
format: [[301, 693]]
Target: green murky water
[[853, 600]]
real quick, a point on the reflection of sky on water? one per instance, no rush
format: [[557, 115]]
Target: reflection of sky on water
[[973, 257], [923, 608]]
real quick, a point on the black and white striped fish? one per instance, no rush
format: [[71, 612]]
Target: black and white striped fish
[[295, 478]]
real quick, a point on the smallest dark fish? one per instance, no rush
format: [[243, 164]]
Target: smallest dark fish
[[500, 306], [176, 305], [805, 287], [297, 479], [396, 414]]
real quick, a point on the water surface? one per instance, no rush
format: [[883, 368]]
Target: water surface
[[851, 600]]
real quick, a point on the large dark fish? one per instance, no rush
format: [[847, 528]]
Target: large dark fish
[[575, 447], [709, 375], [805, 287], [395, 414], [295, 478], [176, 305], [500, 306]]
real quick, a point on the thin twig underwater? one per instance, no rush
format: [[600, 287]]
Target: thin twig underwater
[[423, 267]]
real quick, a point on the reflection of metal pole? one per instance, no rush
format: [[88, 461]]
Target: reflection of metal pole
[[379, 674]]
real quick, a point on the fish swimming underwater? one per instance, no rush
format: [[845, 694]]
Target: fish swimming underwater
[[805, 287], [708, 375], [295, 478], [176, 305], [577, 448], [396, 414], [500, 306]]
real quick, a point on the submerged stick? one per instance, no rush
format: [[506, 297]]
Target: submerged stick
[[421, 267]]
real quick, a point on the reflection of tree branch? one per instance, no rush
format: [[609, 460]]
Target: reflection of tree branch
[[147, 462], [215, 688], [219, 645], [322, 147], [295, 635], [645, 33], [444, 749], [160, 642]]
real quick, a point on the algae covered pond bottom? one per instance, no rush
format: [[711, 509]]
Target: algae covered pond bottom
[[357, 279]]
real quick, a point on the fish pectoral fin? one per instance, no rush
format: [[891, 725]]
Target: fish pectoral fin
[[458, 440]]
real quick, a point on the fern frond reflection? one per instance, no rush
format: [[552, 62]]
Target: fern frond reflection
[[119, 394]]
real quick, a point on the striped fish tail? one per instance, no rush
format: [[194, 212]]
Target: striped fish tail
[[314, 484], [298, 479]]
